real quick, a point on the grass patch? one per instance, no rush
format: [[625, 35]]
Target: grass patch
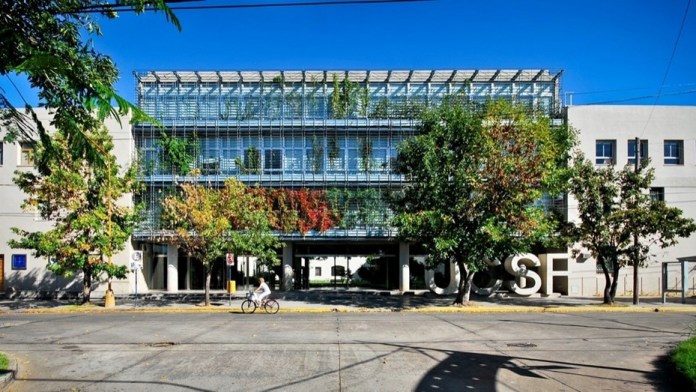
[[683, 358], [4, 363]]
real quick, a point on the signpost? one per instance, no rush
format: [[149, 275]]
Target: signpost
[[135, 265], [229, 259]]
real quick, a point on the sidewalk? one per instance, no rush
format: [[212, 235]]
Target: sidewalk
[[353, 300]]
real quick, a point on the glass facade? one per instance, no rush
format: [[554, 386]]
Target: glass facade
[[334, 132]]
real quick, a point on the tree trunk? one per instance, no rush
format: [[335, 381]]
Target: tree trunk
[[208, 272], [615, 283], [86, 285], [636, 282], [608, 300], [466, 277]]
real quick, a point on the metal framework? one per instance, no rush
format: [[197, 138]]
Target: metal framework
[[331, 130]]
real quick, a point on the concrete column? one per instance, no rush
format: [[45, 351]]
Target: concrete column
[[172, 269], [287, 278], [404, 271]]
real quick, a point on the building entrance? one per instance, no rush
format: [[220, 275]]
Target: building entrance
[[374, 266]]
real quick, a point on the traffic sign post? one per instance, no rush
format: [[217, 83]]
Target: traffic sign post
[[229, 258], [135, 265]]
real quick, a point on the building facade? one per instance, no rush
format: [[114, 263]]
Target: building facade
[[335, 133]]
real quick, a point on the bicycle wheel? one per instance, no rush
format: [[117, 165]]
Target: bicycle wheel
[[248, 306], [271, 306]]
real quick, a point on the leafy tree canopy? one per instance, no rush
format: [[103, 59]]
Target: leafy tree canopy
[[49, 42], [207, 223], [619, 222], [473, 178]]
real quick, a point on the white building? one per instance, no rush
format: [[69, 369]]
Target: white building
[[668, 137]]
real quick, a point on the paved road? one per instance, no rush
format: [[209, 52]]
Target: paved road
[[341, 351]]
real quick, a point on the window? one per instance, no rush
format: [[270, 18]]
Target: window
[[19, 262], [674, 152], [632, 151], [317, 271], [657, 194], [1, 153], [26, 154], [273, 160], [605, 150], [338, 270]]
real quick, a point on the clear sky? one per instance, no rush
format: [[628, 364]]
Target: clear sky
[[610, 51]]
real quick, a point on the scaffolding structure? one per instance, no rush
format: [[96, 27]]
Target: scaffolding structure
[[335, 131]]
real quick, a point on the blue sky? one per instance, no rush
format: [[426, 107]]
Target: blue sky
[[620, 46]]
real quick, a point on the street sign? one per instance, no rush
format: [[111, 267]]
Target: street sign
[[229, 258], [136, 260]]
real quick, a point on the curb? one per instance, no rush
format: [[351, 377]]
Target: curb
[[431, 309], [8, 377]]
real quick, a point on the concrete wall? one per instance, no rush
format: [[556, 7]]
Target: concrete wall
[[654, 124]]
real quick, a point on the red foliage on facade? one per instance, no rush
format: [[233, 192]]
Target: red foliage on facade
[[300, 210]]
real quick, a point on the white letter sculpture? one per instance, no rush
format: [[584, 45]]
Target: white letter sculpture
[[517, 266]]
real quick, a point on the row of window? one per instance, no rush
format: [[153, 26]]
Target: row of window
[[279, 108], [605, 152], [292, 154]]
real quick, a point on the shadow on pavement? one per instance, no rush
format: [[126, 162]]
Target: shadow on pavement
[[485, 372]]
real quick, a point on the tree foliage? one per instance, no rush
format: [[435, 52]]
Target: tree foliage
[[298, 210], [206, 223], [614, 208], [48, 42], [81, 201], [473, 178]]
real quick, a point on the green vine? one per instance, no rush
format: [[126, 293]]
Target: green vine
[[317, 154], [334, 151], [338, 109], [366, 153], [381, 109], [251, 163], [365, 100], [344, 98], [177, 153]]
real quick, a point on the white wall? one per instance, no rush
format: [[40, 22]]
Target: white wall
[[655, 124]]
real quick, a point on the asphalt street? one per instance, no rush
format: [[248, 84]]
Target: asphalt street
[[387, 351]]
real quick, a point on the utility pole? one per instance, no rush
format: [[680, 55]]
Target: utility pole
[[636, 298]]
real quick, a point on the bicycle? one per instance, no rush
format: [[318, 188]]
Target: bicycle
[[269, 305]]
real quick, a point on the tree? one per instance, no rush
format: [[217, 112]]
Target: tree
[[81, 200], [618, 220], [206, 223], [473, 178], [48, 42]]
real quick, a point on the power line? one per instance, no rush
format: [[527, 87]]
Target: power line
[[669, 66], [128, 8]]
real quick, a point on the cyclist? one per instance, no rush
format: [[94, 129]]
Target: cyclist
[[263, 289]]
